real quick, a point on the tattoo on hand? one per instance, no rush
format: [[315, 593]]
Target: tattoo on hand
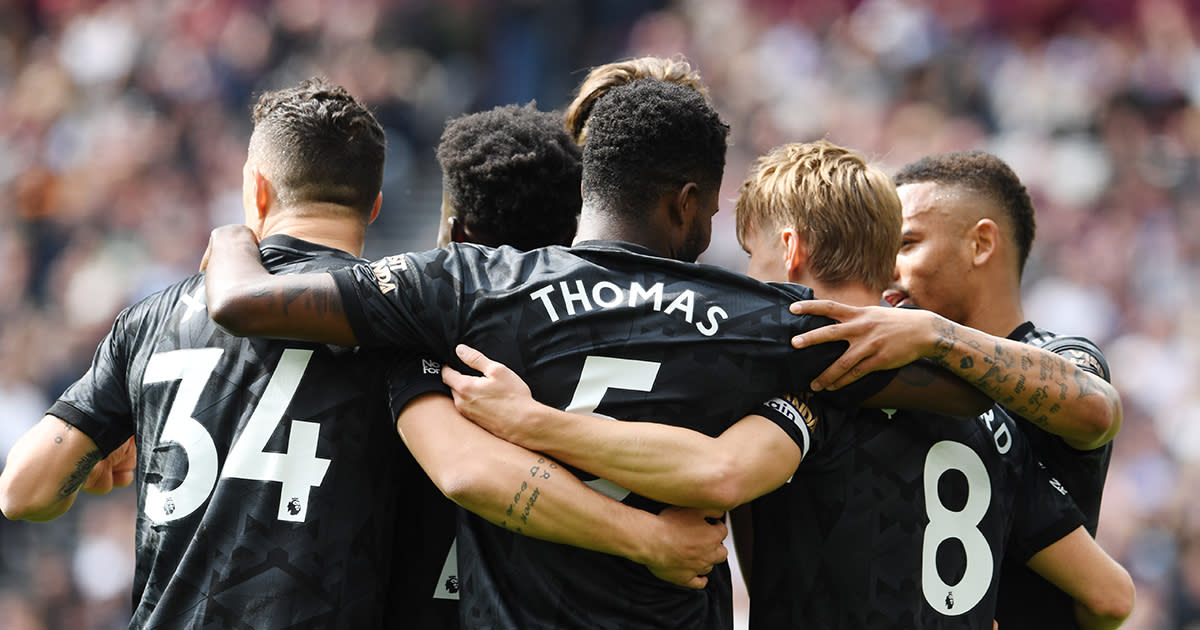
[[83, 468]]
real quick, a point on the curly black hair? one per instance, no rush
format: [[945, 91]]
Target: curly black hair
[[513, 173], [984, 174], [320, 144], [647, 138]]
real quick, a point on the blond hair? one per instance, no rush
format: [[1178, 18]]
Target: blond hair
[[847, 211], [603, 78]]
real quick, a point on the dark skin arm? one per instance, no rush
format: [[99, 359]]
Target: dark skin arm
[[245, 299], [925, 387]]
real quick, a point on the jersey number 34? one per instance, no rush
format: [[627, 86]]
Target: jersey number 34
[[298, 468]]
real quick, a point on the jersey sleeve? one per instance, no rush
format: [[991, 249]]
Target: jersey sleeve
[[98, 403], [1043, 513], [410, 378], [800, 416], [1081, 352], [388, 301]]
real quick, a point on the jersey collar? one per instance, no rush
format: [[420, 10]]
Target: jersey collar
[[620, 245]]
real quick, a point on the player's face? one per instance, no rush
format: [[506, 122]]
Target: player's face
[[934, 259], [768, 256]]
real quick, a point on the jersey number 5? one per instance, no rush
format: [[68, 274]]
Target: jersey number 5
[[298, 469]]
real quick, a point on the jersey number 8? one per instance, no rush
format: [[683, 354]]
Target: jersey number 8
[[962, 525], [298, 469]]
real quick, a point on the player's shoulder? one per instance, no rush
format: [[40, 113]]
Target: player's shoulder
[[167, 298], [1075, 348]]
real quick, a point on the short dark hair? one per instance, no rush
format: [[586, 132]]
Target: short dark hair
[[320, 144], [513, 173], [647, 138], [986, 175]]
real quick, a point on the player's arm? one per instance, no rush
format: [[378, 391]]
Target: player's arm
[[1047, 389], [529, 494], [247, 300], [1102, 589], [50, 463], [665, 463]]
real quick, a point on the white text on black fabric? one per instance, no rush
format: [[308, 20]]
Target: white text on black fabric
[[579, 298]]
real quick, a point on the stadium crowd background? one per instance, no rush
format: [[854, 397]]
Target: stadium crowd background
[[123, 127]]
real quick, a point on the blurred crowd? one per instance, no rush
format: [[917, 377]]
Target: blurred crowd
[[123, 127]]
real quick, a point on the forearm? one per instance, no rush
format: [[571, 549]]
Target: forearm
[[519, 490], [247, 300], [666, 463], [44, 471], [1103, 591], [1043, 387]]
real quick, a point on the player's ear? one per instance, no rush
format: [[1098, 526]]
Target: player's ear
[[375, 208], [262, 193], [686, 204], [795, 253], [985, 239]]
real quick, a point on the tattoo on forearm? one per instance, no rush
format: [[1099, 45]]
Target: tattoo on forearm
[[946, 339], [519, 517], [83, 468]]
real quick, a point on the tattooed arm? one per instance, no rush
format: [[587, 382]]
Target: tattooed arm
[[1045, 388], [666, 463], [45, 470], [529, 494], [247, 300]]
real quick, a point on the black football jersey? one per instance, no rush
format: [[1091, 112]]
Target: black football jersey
[[602, 328], [900, 521], [435, 558], [1026, 599], [269, 473]]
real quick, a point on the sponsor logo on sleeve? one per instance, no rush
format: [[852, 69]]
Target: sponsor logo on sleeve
[[799, 413], [385, 277], [1084, 360]]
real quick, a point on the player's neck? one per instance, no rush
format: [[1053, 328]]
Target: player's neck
[[603, 226], [338, 232], [996, 310], [850, 294]]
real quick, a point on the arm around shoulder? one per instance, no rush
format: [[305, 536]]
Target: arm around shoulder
[[247, 300]]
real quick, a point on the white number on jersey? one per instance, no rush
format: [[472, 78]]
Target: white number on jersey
[[298, 469], [963, 525], [598, 376]]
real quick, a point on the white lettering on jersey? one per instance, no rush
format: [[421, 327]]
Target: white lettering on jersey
[[384, 277], [429, 366], [682, 303], [607, 295], [1000, 434]]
